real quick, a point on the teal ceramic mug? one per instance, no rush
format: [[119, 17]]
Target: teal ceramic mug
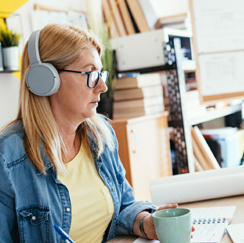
[[173, 225]]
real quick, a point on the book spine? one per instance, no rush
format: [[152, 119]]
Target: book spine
[[109, 20], [138, 15], [117, 17], [126, 17]]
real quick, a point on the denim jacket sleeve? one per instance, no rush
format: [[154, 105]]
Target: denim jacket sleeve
[[129, 208], [7, 208]]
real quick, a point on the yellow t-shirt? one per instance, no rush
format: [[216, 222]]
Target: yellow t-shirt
[[92, 204]]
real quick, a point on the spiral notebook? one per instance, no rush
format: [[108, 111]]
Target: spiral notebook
[[210, 224]]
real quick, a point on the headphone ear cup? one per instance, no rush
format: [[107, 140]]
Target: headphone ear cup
[[43, 79]]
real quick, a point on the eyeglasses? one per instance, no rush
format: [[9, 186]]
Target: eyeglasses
[[92, 77]]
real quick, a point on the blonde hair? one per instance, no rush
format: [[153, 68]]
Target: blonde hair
[[59, 45]]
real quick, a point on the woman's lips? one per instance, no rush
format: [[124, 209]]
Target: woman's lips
[[95, 102]]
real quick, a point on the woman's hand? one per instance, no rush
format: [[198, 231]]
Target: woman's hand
[[149, 225]]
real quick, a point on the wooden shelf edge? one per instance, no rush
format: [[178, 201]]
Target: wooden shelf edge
[[141, 118]]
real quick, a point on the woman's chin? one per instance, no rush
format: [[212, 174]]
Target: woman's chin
[[92, 113]]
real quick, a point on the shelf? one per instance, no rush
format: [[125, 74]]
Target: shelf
[[142, 118], [9, 71], [187, 66], [216, 113], [189, 70]]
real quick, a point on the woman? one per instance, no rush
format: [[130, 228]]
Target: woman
[[59, 160]]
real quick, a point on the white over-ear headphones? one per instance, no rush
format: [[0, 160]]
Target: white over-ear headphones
[[42, 78]]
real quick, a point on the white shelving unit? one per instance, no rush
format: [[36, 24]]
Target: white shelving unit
[[180, 122], [215, 113]]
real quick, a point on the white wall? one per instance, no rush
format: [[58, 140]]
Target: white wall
[[165, 8], [9, 95]]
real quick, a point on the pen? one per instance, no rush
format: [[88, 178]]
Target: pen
[[63, 234]]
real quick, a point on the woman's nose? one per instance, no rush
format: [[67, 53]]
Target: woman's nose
[[101, 86]]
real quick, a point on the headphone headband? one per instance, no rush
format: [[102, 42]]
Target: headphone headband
[[33, 48]]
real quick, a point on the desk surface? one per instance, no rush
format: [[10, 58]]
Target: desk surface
[[237, 201]]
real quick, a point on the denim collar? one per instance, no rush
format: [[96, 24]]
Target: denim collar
[[93, 145], [18, 126], [95, 148], [46, 161]]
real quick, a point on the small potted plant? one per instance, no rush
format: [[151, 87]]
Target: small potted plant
[[10, 41]]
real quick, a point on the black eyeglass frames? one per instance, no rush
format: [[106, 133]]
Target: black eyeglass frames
[[92, 77]]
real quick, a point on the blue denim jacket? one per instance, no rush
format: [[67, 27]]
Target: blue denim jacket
[[32, 202]]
